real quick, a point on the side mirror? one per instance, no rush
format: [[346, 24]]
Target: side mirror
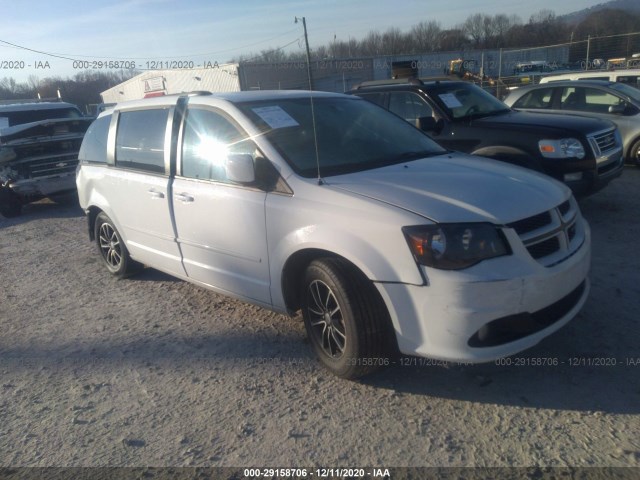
[[617, 109], [239, 168]]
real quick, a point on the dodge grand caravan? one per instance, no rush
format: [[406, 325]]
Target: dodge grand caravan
[[328, 204]]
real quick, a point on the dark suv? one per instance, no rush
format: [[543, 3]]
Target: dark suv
[[584, 153], [39, 144]]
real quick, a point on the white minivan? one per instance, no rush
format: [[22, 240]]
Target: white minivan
[[328, 204]]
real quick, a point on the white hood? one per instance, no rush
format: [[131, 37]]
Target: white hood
[[458, 188]]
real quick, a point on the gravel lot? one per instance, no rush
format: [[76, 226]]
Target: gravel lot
[[152, 371]]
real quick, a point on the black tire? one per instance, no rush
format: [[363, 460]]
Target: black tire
[[346, 320], [634, 153], [112, 249], [10, 203]]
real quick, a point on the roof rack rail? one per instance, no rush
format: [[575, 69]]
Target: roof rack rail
[[12, 101], [393, 81]]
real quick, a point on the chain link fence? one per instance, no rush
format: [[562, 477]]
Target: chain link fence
[[494, 69]]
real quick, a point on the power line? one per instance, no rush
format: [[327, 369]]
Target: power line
[[67, 56], [275, 49], [37, 51]]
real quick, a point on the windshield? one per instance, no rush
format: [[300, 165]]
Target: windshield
[[9, 119], [465, 100], [352, 134]]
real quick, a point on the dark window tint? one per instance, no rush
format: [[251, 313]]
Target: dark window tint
[[633, 80], [140, 140], [589, 100], [208, 138], [463, 101], [29, 116], [377, 98], [94, 145], [540, 98], [409, 106]]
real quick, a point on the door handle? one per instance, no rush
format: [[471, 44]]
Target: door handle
[[184, 197], [155, 194]]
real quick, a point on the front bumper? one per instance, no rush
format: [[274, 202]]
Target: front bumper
[[607, 168], [506, 305], [43, 186]]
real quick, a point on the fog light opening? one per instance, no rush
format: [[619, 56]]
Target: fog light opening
[[572, 177]]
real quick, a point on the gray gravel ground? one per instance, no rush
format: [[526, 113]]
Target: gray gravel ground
[[152, 371]]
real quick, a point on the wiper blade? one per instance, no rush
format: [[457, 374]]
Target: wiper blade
[[476, 115], [498, 112], [417, 155]]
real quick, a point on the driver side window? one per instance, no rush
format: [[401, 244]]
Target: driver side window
[[208, 138], [409, 106]]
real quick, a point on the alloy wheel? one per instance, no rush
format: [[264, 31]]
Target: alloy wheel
[[110, 246], [326, 319]]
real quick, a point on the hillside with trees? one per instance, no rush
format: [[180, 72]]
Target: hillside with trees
[[478, 31]]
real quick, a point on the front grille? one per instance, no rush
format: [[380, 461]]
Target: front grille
[[56, 165], [565, 207], [552, 236], [532, 223], [604, 142], [544, 248]]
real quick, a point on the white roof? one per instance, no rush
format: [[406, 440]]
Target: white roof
[[219, 78]]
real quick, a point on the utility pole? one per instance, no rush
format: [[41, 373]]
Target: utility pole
[[306, 43]]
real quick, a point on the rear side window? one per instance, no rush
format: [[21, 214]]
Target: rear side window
[[140, 140], [94, 145], [540, 98]]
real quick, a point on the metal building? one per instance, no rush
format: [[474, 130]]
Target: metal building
[[154, 83]]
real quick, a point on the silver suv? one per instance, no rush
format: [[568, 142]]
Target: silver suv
[[326, 203], [613, 101]]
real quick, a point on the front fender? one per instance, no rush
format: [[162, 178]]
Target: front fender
[[367, 234], [513, 155]]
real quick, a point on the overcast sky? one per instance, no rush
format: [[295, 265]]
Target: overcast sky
[[144, 31]]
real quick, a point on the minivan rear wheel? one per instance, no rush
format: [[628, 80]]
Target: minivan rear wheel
[[112, 249], [345, 318]]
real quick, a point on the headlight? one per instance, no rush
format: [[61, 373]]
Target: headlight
[[562, 148], [453, 246]]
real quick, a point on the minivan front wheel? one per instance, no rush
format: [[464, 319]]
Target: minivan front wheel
[[345, 319], [112, 249]]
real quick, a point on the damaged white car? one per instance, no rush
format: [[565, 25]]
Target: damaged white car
[[39, 144], [383, 239]]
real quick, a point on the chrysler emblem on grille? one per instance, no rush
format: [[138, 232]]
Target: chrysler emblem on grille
[[61, 165]]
